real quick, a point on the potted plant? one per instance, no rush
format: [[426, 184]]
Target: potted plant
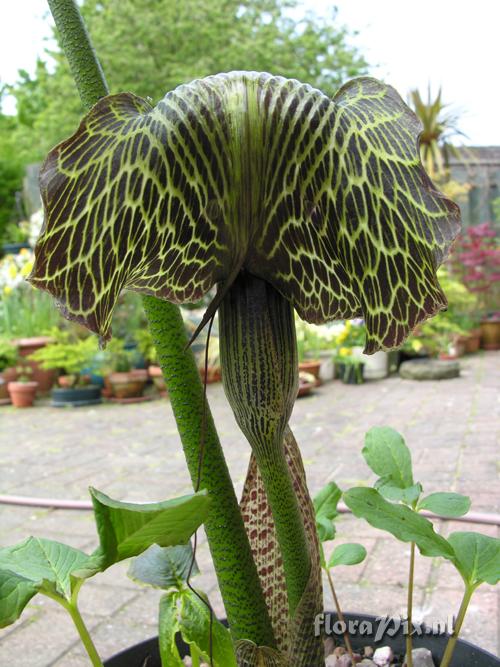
[[148, 351], [258, 352], [476, 260], [69, 357], [316, 350], [26, 315], [8, 373], [22, 390], [126, 383]]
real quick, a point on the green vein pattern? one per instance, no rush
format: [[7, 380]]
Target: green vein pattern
[[326, 199]]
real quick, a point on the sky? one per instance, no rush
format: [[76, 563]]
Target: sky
[[410, 45]]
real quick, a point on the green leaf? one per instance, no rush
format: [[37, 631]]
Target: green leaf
[[446, 504], [157, 192], [15, 593], [388, 456], [325, 528], [326, 500], [163, 567], [194, 623], [409, 495], [46, 563], [347, 554], [33, 566], [168, 626], [403, 522], [477, 557], [325, 507], [128, 529]]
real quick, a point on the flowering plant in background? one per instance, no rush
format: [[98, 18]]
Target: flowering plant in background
[[476, 260], [24, 311]]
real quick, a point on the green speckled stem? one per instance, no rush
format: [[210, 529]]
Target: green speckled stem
[[78, 49], [229, 546], [237, 575]]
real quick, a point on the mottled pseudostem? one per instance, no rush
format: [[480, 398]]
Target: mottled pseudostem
[[259, 370], [233, 562]]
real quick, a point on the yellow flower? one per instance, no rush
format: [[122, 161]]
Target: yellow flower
[[26, 270], [345, 351], [12, 271], [24, 251], [7, 289]]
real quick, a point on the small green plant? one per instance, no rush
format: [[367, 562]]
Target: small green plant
[[115, 358], [325, 509], [8, 354], [146, 346], [24, 373], [394, 505], [125, 530], [69, 357]]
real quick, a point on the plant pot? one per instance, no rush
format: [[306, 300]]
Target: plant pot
[[376, 366], [213, 374], [326, 368], [155, 373], [128, 385], [313, 367], [350, 373], [22, 394], [26, 347], [473, 341], [6, 376], [75, 397], [490, 335], [465, 654]]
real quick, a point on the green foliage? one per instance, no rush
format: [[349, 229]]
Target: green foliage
[[57, 570], [146, 346], [163, 567], [164, 44], [70, 357], [8, 354], [477, 557], [128, 529], [325, 508], [115, 358], [347, 554], [445, 504], [401, 521], [183, 611]]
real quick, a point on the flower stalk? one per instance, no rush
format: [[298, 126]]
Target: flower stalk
[[238, 579]]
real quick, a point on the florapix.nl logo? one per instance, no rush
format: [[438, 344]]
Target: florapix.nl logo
[[378, 627]]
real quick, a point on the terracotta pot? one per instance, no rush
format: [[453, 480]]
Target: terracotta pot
[[156, 374], [490, 335], [26, 347], [473, 341], [312, 367], [22, 394], [213, 374], [128, 385], [6, 376]]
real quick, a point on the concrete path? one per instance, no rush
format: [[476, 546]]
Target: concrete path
[[133, 452]]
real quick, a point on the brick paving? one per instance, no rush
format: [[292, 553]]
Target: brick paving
[[133, 452]]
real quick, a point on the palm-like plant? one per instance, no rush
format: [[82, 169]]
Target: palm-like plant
[[285, 199], [439, 127]]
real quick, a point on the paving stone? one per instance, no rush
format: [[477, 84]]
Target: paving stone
[[134, 452]]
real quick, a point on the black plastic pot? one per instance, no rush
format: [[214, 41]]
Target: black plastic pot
[[465, 654], [75, 396]]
